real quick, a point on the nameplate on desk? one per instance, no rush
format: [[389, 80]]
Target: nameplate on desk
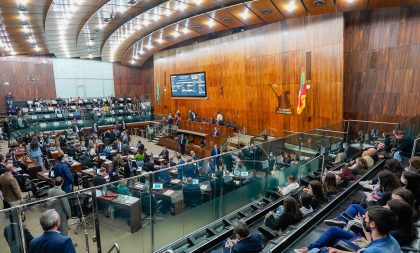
[[175, 181], [168, 192]]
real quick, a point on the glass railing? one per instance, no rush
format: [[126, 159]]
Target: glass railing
[[152, 209]]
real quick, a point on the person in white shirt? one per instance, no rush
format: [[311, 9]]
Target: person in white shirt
[[219, 117], [291, 185]]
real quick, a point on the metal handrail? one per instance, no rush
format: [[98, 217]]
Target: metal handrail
[[116, 247], [313, 159], [414, 146], [332, 131], [368, 121]]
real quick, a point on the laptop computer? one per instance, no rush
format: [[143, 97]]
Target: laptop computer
[[69, 159], [157, 186]]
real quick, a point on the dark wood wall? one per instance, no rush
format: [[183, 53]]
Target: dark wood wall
[[133, 82], [382, 64], [26, 77], [241, 68]]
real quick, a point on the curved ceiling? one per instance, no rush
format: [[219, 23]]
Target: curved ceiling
[[130, 31]]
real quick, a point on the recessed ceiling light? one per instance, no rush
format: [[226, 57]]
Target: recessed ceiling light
[[90, 56], [210, 23], [90, 43], [133, 62], [291, 6], [160, 41], [37, 48], [175, 34]]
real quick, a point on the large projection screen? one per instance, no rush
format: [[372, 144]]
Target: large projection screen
[[83, 78], [189, 85]]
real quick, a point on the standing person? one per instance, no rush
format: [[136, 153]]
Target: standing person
[[62, 169], [34, 151], [61, 205], [51, 241], [149, 132], [219, 118], [12, 195], [95, 129], [215, 152], [182, 143]]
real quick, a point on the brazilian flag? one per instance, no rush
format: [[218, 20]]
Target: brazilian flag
[[158, 94]]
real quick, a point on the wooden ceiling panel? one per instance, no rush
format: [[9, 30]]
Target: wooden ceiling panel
[[354, 5], [290, 8], [327, 7], [413, 2], [226, 18], [206, 23], [265, 10], [244, 14]]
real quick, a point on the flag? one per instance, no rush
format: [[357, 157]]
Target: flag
[[158, 94], [302, 93]]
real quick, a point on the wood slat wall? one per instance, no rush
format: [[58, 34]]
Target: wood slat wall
[[382, 64], [28, 78], [240, 69], [133, 82]]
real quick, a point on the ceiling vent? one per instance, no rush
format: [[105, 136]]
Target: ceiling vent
[[319, 3], [227, 19], [132, 2], [197, 26]]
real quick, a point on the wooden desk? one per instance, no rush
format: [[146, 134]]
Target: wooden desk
[[54, 155], [76, 166], [129, 204], [44, 176], [33, 168]]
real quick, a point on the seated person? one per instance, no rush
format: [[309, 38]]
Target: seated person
[[286, 215], [251, 178], [130, 167], [99, 179], [403, 145], [164, 154], [244, 242], [190, 170], [163, 176], [113, 171], [122, 188], [189, 186], [216, 184], [343, 177], [240, 168], [305, 202], [329, 186], [315, 190], [359, 167], [139, 156], [291, 185], [388, 183], [378, 222]]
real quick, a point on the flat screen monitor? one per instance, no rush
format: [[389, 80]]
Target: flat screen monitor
[[98, 171], [52, 148], [52, 174], [157, 186], [70, 159], [139, 163], [195, 181], [244, 173], [189, 85], [102, 157]]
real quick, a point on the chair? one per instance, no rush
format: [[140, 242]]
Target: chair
[[193, 197], [149, 207], [39, 188], [25, 185], [233, 125], [78, 180], [268, 232], [81, 206]]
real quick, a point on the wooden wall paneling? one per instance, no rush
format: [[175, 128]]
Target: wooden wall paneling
[[133, 82], [28, 78], [381, 59], [240, 69]]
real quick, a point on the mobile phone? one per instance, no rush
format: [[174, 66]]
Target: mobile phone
[[229, 242], [347, 216]]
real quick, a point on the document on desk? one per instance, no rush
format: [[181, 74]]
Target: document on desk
[[204, 187], [168, 192], [175, 181]]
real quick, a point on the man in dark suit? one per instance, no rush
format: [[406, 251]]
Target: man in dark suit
[[215, 152], [130, 167], [190, 170], [244, 242], [165, 154], [62, 169], [125, 148], [99, 179], [52, 241], [182, 143]]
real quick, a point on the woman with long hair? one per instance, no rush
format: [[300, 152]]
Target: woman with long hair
[[406, 195], [405, 231], [318, 196], [290, 215], [34, 151], [329, 186]]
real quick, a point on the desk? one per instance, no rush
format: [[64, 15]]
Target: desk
[[174, 196], [76, 166], [33, 168], [129, 204], [44, 176], [54, 155]]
